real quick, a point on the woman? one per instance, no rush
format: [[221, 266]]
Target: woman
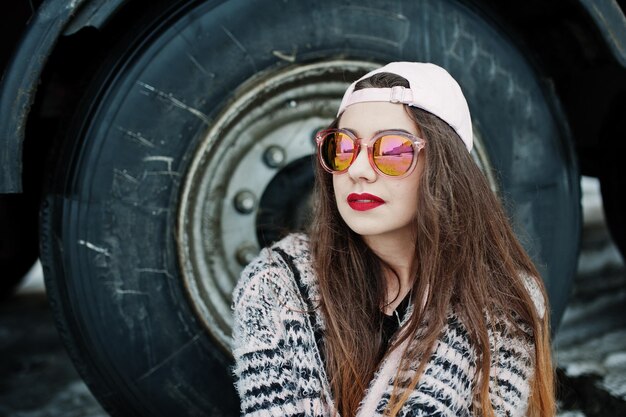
[[411, 296]]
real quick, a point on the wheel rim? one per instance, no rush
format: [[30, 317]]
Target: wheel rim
[[228, 200]]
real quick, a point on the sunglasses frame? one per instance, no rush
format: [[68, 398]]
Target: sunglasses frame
[[417, 142]]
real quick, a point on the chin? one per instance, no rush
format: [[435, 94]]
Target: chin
[[366, 229]]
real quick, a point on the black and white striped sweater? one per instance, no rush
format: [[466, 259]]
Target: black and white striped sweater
[[279, 370]]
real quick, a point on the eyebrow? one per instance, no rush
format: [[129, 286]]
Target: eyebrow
[[378, 131]]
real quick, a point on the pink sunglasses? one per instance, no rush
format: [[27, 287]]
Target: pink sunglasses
[[391, 152]]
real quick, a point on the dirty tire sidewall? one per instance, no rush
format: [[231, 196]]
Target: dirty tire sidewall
[[18, 241], [109, 213]]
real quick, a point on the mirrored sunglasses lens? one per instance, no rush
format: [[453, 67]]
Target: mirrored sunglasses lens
[[337, 151], [393, 154]]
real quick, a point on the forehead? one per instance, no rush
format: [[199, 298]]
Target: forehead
[[370, 117]]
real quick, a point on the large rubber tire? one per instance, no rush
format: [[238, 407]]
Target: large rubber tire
[[18, 240], [127, 230], [611, 173]]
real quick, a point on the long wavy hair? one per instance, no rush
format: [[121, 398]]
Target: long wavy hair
[[466, 253]]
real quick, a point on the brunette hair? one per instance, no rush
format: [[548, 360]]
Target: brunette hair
[[467, 255]]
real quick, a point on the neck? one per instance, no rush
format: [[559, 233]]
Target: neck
[[399, 253]]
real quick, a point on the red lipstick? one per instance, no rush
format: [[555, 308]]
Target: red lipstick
[[363, 202]]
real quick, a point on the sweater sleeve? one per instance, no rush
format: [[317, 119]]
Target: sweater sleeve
[[264, 369], [513, 360], [512, 370]]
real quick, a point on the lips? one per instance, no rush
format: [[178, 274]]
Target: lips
[[363, 202]]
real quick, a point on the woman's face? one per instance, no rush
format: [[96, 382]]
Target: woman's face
[[394, 217]]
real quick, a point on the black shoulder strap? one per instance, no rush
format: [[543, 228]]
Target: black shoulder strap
[[304, 294]]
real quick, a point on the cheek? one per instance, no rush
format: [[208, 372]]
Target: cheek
[[337, 191], [338, 185], [409, 201], [415, 178], [410, 192]]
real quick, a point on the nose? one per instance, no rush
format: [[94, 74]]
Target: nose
[[361, 168]]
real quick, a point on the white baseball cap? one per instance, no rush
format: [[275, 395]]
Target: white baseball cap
[[431, 88]]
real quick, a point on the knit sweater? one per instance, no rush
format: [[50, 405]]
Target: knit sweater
[[279, 370]]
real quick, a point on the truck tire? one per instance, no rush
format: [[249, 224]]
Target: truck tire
[[612, 176], [18, 240], [192, 150]]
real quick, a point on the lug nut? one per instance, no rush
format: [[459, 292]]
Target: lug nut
[[245, 201], [246, 253], [274, 156]]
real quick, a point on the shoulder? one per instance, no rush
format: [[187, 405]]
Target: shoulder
[[534, 289], [265, 298], [270, 274], [295, 246]]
